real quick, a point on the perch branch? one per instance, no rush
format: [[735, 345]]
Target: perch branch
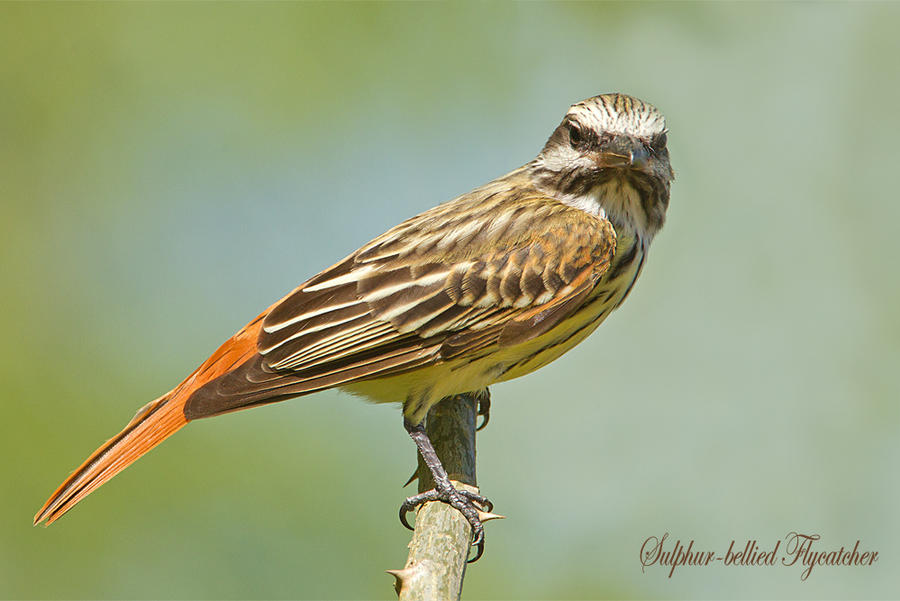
[[440, 545]]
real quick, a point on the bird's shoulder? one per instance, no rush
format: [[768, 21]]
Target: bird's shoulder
[[508, 213]]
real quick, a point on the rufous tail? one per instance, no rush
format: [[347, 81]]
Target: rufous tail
[[155, 422]]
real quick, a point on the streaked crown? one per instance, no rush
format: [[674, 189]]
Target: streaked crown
[[619, 114]]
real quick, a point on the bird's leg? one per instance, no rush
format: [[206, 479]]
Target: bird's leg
[[468, 503], [483, 397]]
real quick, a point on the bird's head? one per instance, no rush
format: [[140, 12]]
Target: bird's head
[[610, 153]]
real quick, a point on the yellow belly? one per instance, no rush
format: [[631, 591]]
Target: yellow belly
[[421, 388]]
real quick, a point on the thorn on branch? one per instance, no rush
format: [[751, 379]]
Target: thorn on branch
[[405, 577]]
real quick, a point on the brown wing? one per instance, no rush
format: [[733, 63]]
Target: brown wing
[[466, 277]]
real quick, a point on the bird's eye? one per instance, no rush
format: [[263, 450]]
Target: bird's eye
[[576, 135]]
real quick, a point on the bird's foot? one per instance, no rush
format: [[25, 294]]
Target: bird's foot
[[473, 506]]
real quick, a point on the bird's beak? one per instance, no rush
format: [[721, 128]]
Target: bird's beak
[[622, 152], [613, 160]]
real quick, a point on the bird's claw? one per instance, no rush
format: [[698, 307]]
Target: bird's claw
[[468, 503], [484, 407]]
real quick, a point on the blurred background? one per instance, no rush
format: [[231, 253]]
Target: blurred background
[[169, 170]]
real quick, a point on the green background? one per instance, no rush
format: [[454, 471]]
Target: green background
[[168, 170]]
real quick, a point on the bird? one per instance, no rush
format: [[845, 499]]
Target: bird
[[487, 287]]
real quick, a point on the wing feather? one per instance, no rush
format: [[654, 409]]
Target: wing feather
[[484, 271]]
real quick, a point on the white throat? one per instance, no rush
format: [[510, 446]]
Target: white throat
[[616, 200]]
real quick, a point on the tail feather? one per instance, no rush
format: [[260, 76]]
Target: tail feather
[[155, 422]]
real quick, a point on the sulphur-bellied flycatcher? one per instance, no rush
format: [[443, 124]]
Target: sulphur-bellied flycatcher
[[484, 288]]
